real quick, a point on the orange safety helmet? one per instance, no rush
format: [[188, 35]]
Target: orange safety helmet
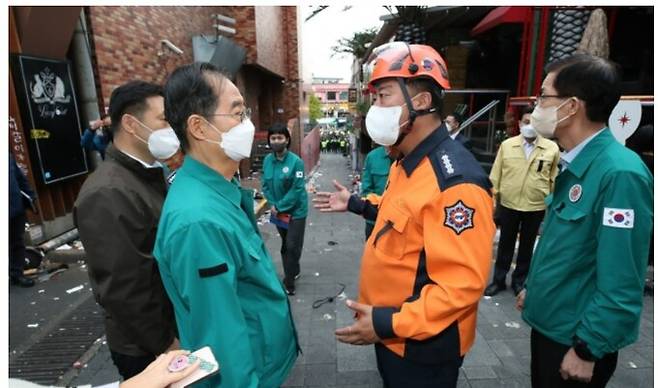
[[403, 60]]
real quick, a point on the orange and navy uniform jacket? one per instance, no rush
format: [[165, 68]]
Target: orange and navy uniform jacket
[[426, 264]]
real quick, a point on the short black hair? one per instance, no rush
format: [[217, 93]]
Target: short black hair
[[189, 90], [424, 84], [458, 117], [130, 98], [594, 80], [278, 129], [528, 109]]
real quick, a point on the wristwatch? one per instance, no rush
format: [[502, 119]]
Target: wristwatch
[[582, 350]]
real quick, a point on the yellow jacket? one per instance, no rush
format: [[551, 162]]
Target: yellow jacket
[[523, 184]]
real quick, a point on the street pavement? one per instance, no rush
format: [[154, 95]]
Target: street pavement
[[331, 257], [44, 305]]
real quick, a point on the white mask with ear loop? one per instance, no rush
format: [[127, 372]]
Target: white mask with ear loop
[[162, 143], [382, 123], [237, 142], [544, 120], [528, 131]]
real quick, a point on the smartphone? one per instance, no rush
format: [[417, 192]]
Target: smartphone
[[209, 367]]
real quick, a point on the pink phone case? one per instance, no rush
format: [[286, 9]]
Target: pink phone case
[[208, 367]]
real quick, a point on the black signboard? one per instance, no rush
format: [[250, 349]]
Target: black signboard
[[50, 116]]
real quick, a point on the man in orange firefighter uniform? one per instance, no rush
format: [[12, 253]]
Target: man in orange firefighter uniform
[[425, 266]]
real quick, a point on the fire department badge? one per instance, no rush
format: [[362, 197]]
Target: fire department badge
[[575, 192], [459, 217]]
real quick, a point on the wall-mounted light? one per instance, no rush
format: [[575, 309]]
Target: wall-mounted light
[[222, 24]]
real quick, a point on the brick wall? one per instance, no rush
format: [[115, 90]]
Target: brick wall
[[272, 43], [127, 40], [245, 25], [270, 39], [292, 88]]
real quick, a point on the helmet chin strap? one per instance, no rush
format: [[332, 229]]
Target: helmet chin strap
[[413, 113]]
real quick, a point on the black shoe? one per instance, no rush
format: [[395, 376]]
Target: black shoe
[[290, 290], [517, 288], [494, 288], [22, 281], [299, 275]]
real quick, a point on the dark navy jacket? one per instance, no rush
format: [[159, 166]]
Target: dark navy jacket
[[17, 182]]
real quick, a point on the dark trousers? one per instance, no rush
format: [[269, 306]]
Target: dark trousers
[[16, 245], [513, 222], [292, 242], [398, 372], [547, 356], [130, 366], [369, 228]]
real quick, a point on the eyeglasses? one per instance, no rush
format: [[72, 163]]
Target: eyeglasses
[[539, 99], [244, 115]]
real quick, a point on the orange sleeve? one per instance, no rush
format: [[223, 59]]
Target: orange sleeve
[[458, 232], [373, 198]]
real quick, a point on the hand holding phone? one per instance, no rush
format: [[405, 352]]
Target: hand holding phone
[[208, 366], [159, 375]]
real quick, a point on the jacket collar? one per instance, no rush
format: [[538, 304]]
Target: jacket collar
[[586, 156], [380, 152], [543, 142], [519, 141], [155, 173], [210, 178], [285, 157], [411, 161]]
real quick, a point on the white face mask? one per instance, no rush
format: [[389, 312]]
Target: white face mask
[[383, 124], [528, 132], [163, 143], [237, 142], [160, 142], [544, 120]]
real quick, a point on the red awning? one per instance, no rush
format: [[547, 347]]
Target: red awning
[[499, 16]]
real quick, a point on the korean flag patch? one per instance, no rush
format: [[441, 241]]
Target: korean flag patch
[[459, 217], [299, 174], [618, 218]]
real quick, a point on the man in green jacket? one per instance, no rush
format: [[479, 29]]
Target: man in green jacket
[[584, 292], [212, 259], [375, 175], [285, 189]]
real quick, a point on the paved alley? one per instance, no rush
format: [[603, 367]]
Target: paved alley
[[332, 250]]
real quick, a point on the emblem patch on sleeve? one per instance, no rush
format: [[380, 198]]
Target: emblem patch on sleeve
[[299, 174], [459, 217], [618, 218]]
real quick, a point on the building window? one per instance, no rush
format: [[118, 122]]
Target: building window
[[331, 96], [343, 96]]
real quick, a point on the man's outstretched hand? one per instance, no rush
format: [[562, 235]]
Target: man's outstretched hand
[[332, 202], [361, 332]]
